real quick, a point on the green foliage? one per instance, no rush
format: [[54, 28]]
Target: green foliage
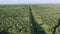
[[14, 19], [47, 16]]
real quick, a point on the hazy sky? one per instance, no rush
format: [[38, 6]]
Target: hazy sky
[[29, 1]]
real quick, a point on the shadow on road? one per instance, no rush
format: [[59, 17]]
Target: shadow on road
[[4, 32], [37, 28]]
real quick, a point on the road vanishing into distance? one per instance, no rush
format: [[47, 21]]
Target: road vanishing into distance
[[35, 28]]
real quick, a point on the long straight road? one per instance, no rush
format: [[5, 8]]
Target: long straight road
[[34, 26]]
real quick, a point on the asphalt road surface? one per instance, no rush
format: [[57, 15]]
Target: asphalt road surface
[[35, 28]]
